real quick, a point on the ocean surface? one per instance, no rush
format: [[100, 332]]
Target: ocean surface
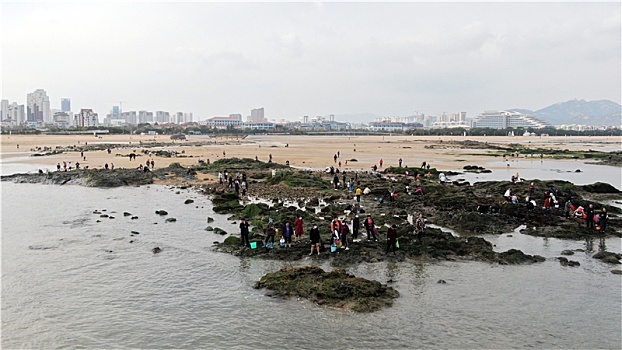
[[69, 281]]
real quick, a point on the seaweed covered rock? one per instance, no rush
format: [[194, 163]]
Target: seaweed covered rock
[[336, 288], [600, 187]]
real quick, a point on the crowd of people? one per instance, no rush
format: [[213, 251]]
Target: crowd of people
[[340, 231], [551, 205]]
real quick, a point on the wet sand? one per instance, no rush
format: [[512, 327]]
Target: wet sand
[[301, 151]]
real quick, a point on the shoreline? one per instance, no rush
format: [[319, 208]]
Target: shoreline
[[305, 152]]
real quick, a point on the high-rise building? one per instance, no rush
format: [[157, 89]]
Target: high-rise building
[[256, 115], [162, 117], [145, 117], [4, 110], [130, 117], [86, 118], [236, 116], [38, 107], [15, 114], [65, 105], [188, 117]]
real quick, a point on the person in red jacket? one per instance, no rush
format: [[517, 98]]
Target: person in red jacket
[[369, 227], [391, 238], [298, 228], [335, 230]]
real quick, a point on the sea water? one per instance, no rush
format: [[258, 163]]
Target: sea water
[[69, 281]]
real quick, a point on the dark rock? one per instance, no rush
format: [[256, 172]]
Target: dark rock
[[103, 216], [219, 231], [135, 232], [189, 201], [616, 272], [210, 220], [170, 220], [126, 214], [161, 212], [610, 259], [567, 252], [111, 217], [600, 187], [209, 228], [134, 217], [441, 281], [335, 288], [132, 241], [98, 221], [232, 241], [314, 201], [156, 250]]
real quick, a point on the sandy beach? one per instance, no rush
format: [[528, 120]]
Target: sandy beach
[[355, 152]]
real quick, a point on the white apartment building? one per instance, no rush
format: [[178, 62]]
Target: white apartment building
[[38, 107], [86, 118], [507, 119], [4, 109], [15, 115], [162, 117], [145, 117]]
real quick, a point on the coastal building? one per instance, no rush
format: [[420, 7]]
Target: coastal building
[[14, 114], [223, 122], [386, 126], [188, 118], [507, 119], [258, 125], [38, 107], [86, 118], [62, 119], [65, 105]]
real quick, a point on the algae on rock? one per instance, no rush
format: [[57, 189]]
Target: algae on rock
[[336, 288]]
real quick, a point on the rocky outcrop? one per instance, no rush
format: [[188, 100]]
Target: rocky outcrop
[[435, 246], [334, 289]]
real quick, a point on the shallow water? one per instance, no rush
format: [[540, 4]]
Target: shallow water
[[70, 282], [547, 170]]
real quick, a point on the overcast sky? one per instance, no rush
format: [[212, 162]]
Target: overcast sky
[[298, 59]]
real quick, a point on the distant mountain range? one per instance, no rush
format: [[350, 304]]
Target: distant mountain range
[[602, 112]]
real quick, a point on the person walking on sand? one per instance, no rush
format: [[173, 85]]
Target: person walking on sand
[[381, 162], [358, 194], [244, 233], [298, 228], [420, 227], [400, 162], [391, 238], [315, 239], [369, 227], [270, 233]]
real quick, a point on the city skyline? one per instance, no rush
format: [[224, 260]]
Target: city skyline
[[297, 59]]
